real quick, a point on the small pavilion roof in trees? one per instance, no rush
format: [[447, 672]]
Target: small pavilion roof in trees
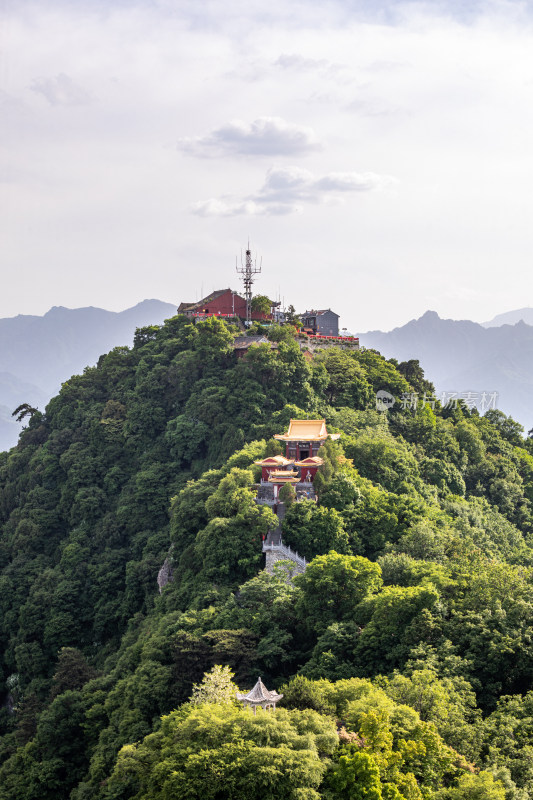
[[306, 430], [259, 696]]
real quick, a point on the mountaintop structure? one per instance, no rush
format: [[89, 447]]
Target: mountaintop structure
[[324, 322], [259, 697], [222, 303]]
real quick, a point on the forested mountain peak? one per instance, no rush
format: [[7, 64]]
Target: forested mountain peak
[[403, 652]]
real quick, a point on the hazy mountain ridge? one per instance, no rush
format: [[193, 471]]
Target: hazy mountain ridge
[[464, 356], [38, 353], [511, 318]]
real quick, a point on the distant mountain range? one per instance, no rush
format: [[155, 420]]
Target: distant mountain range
[[462, 356], [37, 354], [511, 318]]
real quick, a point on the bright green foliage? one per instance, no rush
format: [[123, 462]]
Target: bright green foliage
[[507, 426], [448, 702], [378, 517], [474, 787], [385, 460], [204, 750], [216, 687], [347, 384], [382, 374], [356, 777], [393, 621], [508, 738], [386, 749]]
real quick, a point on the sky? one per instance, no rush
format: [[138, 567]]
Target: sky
[[377, 155]]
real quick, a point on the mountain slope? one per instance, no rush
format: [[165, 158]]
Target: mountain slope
[[417, 591]]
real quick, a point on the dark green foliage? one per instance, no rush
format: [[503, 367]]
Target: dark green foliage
[[313, 530], [287, 494], [333, 585]]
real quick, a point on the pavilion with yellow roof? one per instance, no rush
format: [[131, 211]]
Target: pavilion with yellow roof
[[304, 438]]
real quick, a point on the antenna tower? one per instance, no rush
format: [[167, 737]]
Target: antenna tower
[[247, 272]]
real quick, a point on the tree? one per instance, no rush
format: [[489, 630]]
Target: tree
[[393, 621], [24, 410], [448, 702], [355, 777], [72, 671], [384, 459], [313, 530], [347, 383], [340, 493], [291, 317], [287, 494], [205, 752], [507, 426], [331, 587], [261, 304], [474, 787], [216, 687], [415, 375]]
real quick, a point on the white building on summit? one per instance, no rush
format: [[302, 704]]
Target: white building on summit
[[259, 696]]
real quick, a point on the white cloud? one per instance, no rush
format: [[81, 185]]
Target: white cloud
[[61, 91], [286, 188], [374, 107], [299, 63], [265, 136], [221, 207]]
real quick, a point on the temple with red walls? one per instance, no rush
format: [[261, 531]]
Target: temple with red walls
[[298, 467], [222, 303], [300, 463]]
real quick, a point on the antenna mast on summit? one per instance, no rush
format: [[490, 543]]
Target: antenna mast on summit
[[247, 272]]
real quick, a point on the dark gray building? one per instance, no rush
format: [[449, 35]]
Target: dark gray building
[[325, 322]]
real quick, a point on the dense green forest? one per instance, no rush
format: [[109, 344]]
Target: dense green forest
[[404, 652]]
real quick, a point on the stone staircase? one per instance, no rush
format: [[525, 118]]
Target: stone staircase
[[275, 550]]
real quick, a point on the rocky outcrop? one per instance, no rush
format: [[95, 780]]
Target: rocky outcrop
[[165, 574]]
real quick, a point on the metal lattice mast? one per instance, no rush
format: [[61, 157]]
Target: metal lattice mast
[[247, 272]]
